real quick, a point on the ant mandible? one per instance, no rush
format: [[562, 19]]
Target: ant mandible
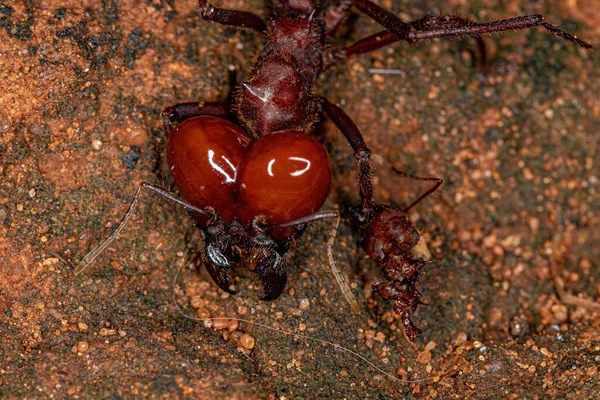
[[252, 187]]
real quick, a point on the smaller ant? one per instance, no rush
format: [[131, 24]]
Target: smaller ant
[[252, 186]]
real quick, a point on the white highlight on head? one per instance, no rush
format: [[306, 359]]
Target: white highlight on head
[[295, 173], [217, 167], [300, 171], [270, 167]]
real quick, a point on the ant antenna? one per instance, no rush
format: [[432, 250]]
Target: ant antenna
[[89, 257], [341, 279]]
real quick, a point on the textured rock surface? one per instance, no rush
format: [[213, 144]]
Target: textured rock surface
[[83, 84]]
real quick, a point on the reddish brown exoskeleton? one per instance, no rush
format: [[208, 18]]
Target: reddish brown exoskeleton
[[253, 176]]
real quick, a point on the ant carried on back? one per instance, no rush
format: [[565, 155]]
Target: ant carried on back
[[253, 176]]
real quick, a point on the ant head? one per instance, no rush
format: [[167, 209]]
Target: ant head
[[389, 232]]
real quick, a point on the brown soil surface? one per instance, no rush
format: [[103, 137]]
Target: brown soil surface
[[511, 301]]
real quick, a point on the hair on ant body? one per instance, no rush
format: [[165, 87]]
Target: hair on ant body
[[253, 185]]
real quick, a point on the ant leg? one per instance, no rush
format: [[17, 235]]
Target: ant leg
[[430, 27], [89, 257], [242, 19], [435, 187], [181, 112], [377, 41], [361, 152]]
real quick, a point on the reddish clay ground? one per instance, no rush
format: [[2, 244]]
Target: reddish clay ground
[[511, 309]]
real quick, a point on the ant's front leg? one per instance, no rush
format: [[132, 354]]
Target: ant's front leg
[[180, 112], [242, 19], [361, 152]]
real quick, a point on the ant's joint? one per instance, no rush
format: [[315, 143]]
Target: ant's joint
[[363, 155], [208, 11]]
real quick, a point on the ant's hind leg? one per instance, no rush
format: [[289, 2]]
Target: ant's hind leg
[[241, 19], [181, 112], [377, 41], [430, 27]]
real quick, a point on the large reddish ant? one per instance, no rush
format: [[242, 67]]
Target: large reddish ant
[[253, 186]]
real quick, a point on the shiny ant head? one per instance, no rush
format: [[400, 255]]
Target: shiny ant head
[[389, 232], [253, 191]]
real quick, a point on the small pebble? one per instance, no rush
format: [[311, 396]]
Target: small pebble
[[233, 325], [424, 357], [106, 332], [235, 336], [527, 174], [247, 341], [82, 347], [304, 304], [197, 302], [134, 137], [461, 338], [96, 144], [220, 322], [560, 313], [203, 313], [545, 352]]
